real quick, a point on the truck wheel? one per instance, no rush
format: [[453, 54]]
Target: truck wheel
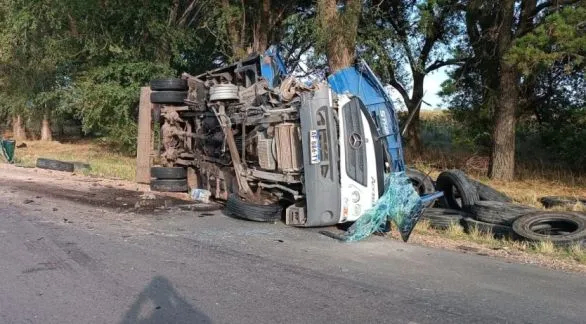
[[459, 193], [168, 173], [561, 201], [55, 165], [169, 185], [169, 97], [495, 212], [560, 228], [255, 212], [440, 218], [498, 231], [487, 193], [169, 85], [421, 181]]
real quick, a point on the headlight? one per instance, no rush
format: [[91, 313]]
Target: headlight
[[355, 197]]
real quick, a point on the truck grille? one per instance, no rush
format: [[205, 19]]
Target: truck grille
[[354, 142]]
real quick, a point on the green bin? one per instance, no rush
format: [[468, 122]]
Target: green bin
[[8, 147]]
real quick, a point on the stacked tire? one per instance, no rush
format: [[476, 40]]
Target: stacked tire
[[169, 179], [169, 91]]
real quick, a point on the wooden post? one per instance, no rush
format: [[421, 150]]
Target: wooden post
[[143, 142]]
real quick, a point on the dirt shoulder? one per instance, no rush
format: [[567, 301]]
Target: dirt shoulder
[[118, 195]]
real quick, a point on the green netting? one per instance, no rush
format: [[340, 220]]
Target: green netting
[[7, 148], [400, 204]]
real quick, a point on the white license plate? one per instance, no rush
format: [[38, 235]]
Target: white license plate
[[314, 147]]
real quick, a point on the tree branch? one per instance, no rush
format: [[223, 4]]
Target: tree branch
[[398, 86], [439, 64], [548, 4]]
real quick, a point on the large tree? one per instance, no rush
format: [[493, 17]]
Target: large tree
[[406, 41], [337, 31], [492, 29]]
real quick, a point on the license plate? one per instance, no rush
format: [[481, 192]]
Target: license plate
[[315, 150]]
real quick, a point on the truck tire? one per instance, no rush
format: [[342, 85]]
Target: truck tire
[[498, 231], [169, 97], [56, 165], [168, 173], [440, 218], [254, 212], [487, 193], [454, 183], [565, 228], [169, 85], [422, 183], [495, 212], [561, 201], [169, 185]]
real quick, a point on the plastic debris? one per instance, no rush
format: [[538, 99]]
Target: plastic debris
[[400, 204], [201, 195]]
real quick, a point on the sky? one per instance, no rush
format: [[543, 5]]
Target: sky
[[431, 86]]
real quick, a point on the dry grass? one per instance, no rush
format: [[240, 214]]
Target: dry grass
[[543, 253], [104, 162]]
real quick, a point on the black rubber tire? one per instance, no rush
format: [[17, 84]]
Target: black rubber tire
[[169, 97], [56, 165], [498, 231], [440, 218], [567, 228], [561, 201], [254, 212], [487, 193], [495, 212], [169, 85], [81, 167], [456, 179], [422, 183], [169, 185], [168, 173]]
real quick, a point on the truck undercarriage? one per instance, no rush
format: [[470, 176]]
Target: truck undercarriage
[[251, 133]]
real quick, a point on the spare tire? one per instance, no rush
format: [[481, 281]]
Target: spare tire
[[56, 165], [239, 208], [169, 97], [440, 218], [169, 85], [459, 193], [168, 173], [498, 231], [487, 193], [169, 185], [561, 228], [502, 213], [561, 201]]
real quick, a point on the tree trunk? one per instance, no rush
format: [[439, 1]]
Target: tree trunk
[[46, 134], [18, 131], [262, 28], [413, 135], [502, 162], [339, 28], [235, 34], [502, 166]]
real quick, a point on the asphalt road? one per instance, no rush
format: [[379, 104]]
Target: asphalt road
[[68, 262]]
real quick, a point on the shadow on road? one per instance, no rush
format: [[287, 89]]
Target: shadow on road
[[159, 302]]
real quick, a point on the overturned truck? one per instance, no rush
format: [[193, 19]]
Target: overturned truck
[[264, 141]]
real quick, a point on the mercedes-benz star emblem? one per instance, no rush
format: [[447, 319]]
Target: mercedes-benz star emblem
[[355, 141]]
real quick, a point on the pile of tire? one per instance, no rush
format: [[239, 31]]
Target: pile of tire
[[169, 91], [169, 179], [478, 207]]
